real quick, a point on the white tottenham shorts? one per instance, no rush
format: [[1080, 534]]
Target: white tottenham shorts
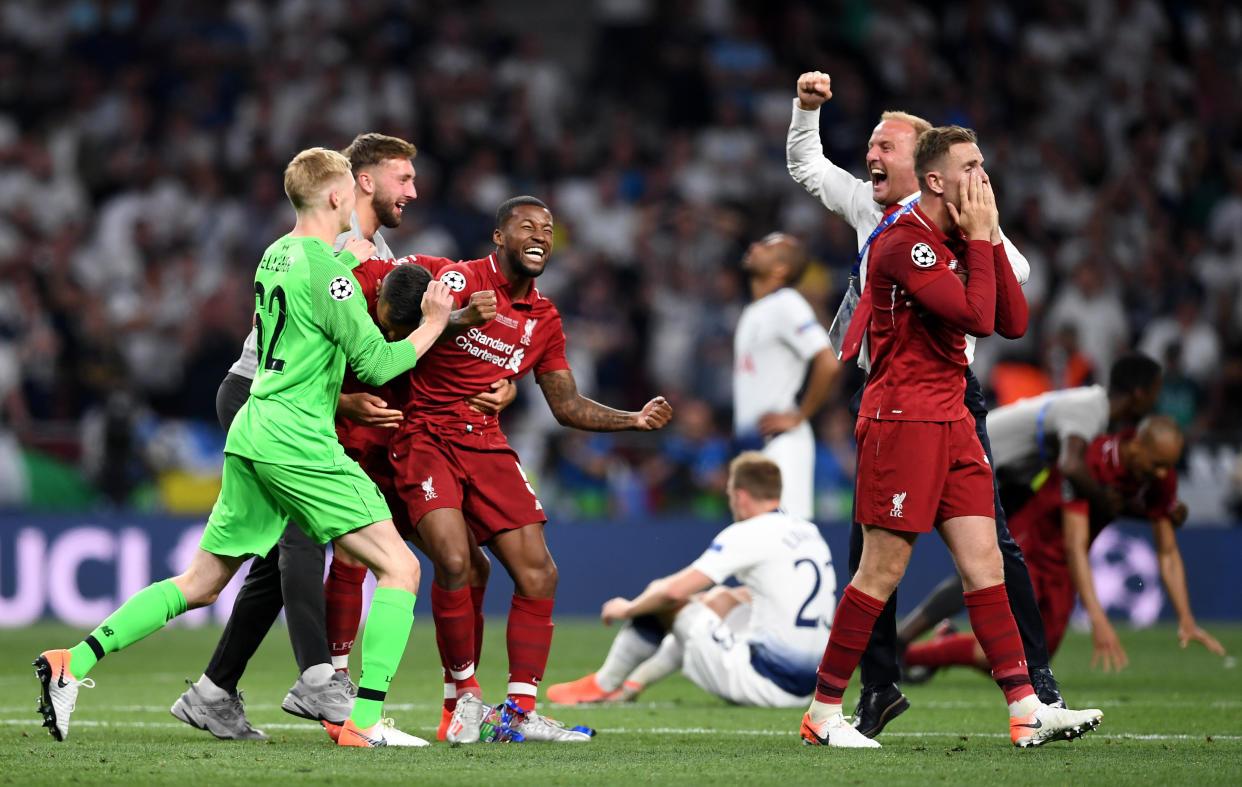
[[717, 658]]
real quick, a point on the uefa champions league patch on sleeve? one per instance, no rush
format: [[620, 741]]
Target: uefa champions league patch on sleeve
[[923, 255], [454, 280], [341, 289]]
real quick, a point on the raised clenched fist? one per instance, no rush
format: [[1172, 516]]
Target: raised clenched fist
[[814, 88]]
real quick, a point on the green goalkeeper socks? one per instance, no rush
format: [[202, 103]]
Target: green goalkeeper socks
[[389, 620], [144, 613]]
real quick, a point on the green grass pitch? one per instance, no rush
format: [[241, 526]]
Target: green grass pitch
[[1172, 717]]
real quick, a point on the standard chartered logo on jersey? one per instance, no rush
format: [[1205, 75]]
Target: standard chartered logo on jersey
[[491, 349]]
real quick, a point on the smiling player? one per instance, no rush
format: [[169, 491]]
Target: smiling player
[[454, 465]]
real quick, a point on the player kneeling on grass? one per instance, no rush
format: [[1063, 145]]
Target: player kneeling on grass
[[757, 644], [920, 462], [1057, 526], [282, 458]]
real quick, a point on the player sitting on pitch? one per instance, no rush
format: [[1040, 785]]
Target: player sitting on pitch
[[1056, 529], [757, 644]]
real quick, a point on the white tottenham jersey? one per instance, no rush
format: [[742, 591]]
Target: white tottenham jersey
[[248, 363], [850, 198], [787, 567], [1015, 428], [776, 338]]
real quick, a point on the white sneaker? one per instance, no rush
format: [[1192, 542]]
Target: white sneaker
[[467, 720], [533, 727], [1048, 723], [59, 697], [382, 733], [836, 731]]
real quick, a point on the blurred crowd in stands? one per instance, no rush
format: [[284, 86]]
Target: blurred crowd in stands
[[142, 145]]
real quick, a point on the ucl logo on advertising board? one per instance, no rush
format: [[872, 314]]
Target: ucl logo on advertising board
[[77, 568]]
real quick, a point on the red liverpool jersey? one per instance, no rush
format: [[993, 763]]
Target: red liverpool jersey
[[1156, 496], [356, 438], [918, 360], [526, 334], [1036, 526]]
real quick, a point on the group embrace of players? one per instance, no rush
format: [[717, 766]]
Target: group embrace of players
[[407, 445], [448, 477]]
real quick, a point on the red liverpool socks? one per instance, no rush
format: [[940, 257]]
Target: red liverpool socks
[[529, 637], [342, 592], [851, 629], [994, 626], [943, 651], [454, 618]]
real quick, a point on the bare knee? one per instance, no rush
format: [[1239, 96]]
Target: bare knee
[[878, 579], [453, 569], [343, 557], [982, 570], [199, 591], [400, 571], [714, 594], [883, 562], [537, 581], [720, 599]]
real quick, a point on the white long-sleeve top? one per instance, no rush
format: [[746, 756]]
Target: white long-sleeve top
[[850, 198]]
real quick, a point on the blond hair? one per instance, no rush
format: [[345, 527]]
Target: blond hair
[[934, 144], [757, 474], [914, 121], [309, 172]]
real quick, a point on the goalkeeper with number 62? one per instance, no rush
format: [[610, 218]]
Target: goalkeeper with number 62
[[282, 457]]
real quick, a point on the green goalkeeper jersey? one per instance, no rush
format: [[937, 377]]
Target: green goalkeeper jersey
[[311, 318]]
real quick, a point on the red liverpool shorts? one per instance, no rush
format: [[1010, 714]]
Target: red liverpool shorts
[[912, 475], [488, 487], [373, 459]]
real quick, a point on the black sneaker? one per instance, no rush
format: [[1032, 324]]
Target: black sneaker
[[1046, 688], [877, 707]]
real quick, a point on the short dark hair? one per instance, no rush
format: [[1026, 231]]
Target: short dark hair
[[791, 252], [757, 474], [1131, 372], [370, 149], [403, 290], [508, 206], [934, 143]]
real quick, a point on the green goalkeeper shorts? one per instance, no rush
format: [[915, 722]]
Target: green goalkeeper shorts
[[258, 499]]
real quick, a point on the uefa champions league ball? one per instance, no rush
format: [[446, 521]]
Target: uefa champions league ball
[[1127, 579]]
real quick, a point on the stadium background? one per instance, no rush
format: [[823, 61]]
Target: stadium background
[[142, 147]]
